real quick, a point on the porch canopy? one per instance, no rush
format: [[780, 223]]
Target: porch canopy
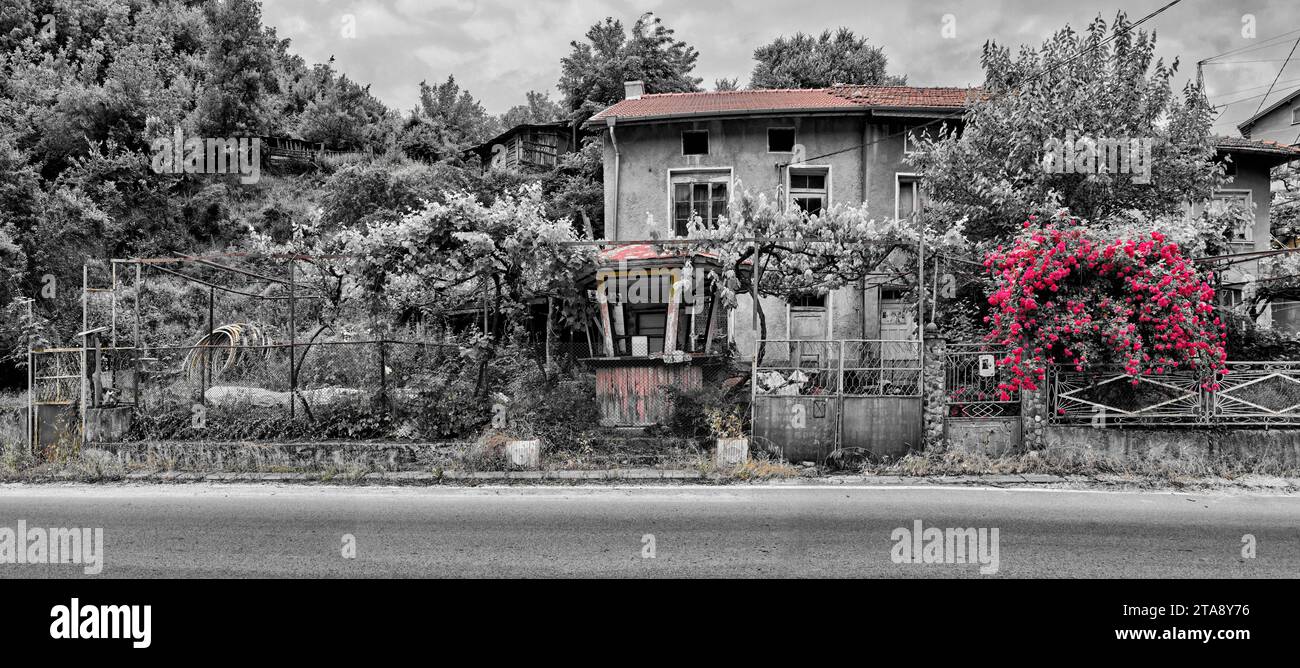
[[657, 301]]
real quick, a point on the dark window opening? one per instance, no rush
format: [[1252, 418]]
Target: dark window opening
[[780, 140], [808, 300], [695, 142]]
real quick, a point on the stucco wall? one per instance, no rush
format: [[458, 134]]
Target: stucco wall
[[1277, 125], [647, 153]]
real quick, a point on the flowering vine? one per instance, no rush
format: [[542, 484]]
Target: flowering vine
[[1073, 295]]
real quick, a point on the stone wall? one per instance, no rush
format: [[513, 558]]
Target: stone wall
[[934, 403]]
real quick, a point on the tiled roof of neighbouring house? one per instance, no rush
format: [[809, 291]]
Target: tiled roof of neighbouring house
[[673, 105], [1267, 147]]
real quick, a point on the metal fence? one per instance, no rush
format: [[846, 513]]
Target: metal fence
[[1250, 394], [319, 390], [811, 398]]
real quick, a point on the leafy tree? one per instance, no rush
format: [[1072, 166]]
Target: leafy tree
[[451, 255], [1074, 85], [808, 254], [340, 115], [592, 75], [240, 71], [725, 84], [455, 115], [807, 61], [539, 109]]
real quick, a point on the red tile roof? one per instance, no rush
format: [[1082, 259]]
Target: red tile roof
[[905, 96], [671, 105], [1266, 146]]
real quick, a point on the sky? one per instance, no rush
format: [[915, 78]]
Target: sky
[[500, 49]]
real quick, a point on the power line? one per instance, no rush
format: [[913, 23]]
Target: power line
[[1270, 42], [1279, 75]]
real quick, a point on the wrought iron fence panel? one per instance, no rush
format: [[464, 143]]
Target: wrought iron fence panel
[[972, 378], [1108, 395], [1257, 393]]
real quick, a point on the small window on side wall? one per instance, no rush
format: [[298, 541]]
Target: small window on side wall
[[1295, 115], [695, 142], [780, 140]]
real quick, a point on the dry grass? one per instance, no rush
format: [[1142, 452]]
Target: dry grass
[[761, 467]]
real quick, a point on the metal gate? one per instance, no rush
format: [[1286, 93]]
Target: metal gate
[[978, 415], [813, 397]]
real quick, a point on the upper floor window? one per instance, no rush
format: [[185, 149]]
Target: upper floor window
[[1295, 115], [1243, 231], [808, 189], [695, 142], [909, 201], [780, 140], [698, 193]]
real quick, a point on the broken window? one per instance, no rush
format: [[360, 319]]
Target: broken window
[[808, 190], [702, 194], [780, 140], [695, 142]]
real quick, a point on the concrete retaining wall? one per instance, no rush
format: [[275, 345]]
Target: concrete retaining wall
[[1239, 448], [263, 456]]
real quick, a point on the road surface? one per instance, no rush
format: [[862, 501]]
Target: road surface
[[734, 531]]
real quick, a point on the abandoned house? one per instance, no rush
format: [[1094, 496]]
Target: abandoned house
[[528, 147]]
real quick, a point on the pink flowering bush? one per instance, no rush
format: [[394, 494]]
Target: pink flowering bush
[[1068, 294]]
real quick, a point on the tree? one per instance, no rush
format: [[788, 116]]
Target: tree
[[341, 115], [1079, 295], [463, 117], [240, 69], [454, 254], [540, 108], [1004, 161], [725, 84], [801, 253], [805, 61], [592, 75]]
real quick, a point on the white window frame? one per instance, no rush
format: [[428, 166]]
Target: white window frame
[[676, 171], [793, 144], [1247, 196], [898, 188], [810, 169], [1295, 115], [908, 147]]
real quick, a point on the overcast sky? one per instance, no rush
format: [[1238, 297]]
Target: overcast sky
[[499, 49]]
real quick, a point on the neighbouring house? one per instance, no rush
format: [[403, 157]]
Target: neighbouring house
[[1248, 168], [529, 147], [1278, 123]]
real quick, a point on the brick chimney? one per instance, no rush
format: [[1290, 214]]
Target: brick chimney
[[633, 90]]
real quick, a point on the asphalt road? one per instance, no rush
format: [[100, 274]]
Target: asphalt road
[[751, 531]]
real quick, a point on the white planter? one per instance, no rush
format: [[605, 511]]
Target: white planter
[[731, 451], [525, 454]]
